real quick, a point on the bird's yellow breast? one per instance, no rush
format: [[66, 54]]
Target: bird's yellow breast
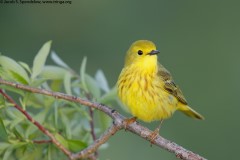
[[142, 91]]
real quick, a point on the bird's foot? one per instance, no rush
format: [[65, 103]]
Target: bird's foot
[[129, 121], [153, 136], [155, 133]]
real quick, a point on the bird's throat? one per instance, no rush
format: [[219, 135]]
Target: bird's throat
[[147, 65]]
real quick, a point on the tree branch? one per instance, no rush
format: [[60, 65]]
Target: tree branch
[[37, 124], [97, 143], [118, 119]]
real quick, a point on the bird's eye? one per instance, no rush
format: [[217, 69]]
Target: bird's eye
[[140, 52]]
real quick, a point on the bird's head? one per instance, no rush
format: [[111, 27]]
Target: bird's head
[[143, 52]]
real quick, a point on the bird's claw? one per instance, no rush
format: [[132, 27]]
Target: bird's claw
[[153, 136]]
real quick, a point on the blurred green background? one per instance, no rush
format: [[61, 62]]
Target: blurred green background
[[199, 43]]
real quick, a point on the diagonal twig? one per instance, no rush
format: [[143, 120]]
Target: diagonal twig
[[91, 123], [101, 140], [118, 119], [37, 124]]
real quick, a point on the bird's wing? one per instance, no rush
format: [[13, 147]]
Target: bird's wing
[[170, 86]]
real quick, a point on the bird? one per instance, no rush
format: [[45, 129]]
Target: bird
[[147, 88]]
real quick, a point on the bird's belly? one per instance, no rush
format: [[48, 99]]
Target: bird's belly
[[148, 101]]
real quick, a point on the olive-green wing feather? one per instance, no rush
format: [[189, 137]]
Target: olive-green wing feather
[[170, 86], [173, 89]]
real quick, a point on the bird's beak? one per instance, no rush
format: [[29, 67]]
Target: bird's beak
[[153, 52]]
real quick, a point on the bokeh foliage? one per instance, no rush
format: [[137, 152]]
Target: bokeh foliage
[[68, 121], [199, 44]]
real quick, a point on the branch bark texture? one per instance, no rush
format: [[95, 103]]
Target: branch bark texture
[[118, 124]]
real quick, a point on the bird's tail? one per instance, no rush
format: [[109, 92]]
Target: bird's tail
[[190, 112]]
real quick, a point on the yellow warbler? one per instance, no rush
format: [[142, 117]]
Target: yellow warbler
[[147, 88]]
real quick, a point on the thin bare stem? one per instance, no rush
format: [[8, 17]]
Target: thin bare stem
[[118, 119], [101, 140], [37, 124], [91, 123], [42, 141]]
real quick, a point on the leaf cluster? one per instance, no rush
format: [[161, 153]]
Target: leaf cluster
[[69, 122]]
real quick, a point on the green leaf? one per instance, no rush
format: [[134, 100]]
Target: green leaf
[[18, 132], [56, 85], [4, 74], [40, 118], [66, 123], [76, 145], [3, 146], [8, 153], [58, 60], [82, 74], [25, 66], [26, 151], [12, 89], [102, 81], [12, 148], [67, 83], [3, 132], [104, 120], [62, 140], [24, 101], [49, 152], [53, 72], [92, 86], [55, 108], [2, 102], [16, 116], [38, 82], [18, 78], [109, 96], [13, 69], [81, 111], [15, 122], [40, 59]]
